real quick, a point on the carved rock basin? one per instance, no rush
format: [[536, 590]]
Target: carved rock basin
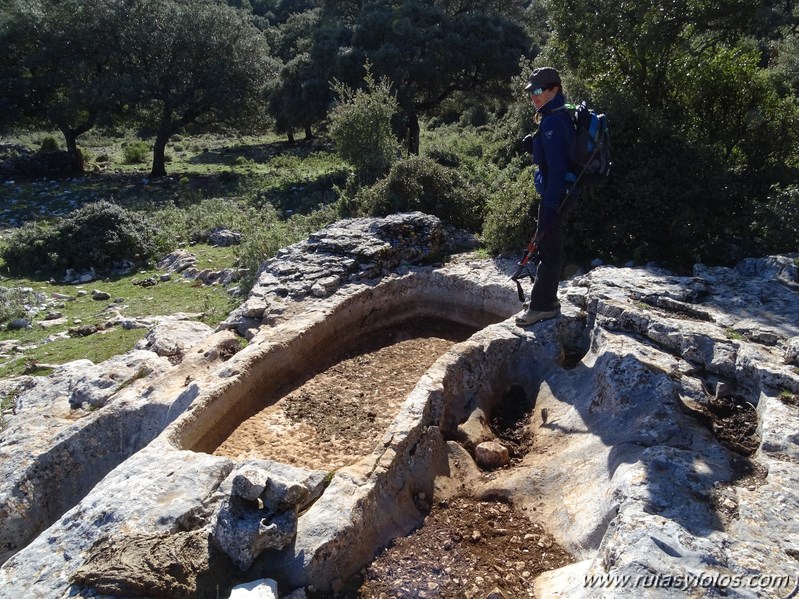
[[625, 469]]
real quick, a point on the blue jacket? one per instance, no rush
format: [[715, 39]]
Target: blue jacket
[[551, 145]]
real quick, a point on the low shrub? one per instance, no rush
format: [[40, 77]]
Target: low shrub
[[776, 221], [273, 234], [12, 303], [99, 235], [419, 183], [510, 214], [136, 152], [31, 248], [49, 144], [360, 126]]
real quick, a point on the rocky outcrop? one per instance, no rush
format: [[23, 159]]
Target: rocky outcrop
[[664, 454], [344, 253], [71, 428], [261, 511]]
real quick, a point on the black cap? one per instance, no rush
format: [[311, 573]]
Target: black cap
[[543, 77]]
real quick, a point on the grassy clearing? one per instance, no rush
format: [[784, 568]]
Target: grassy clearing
[[294, 178], [268, 189], [53, 345]]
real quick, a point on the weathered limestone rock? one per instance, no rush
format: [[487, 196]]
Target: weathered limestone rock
[[178, 261], [260, 513], [264, 588], [474, 431], [17, 324], [93, 386], [491, 455], [792, 351], [74, 426], [173, 338], [224, 237], [165, 565], [629, 468], [344, 252]]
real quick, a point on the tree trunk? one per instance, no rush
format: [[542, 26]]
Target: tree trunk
[[290, 136], [159, 152], [308, 133], [71, 139], [413, 134], [75, 155]]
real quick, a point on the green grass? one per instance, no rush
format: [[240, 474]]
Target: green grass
[[253, 184], [734, 335], [294, 178], [211, 304], [96, 348]]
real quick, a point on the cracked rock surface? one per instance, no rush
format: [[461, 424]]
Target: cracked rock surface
[[659, 444]]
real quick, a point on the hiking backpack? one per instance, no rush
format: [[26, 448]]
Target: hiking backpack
[[589, 156]]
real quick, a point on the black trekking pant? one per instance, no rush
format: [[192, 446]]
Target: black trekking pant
[[544, 295]]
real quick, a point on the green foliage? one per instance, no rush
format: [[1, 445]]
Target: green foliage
[[361, 128], [647, 47], [430, 51], [31, 248], [271, 234], [98, 235], [453, 145], [12, 303], [734, 335], [731, 109], [775, 221], [136, 152], [785, 67], [49, 144], [163, 64], [194, 223], [202, 63], [510, 217], [418, 183], [101, 234], [699, 132]]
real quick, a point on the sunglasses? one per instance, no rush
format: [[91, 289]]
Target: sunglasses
[[538, 91]]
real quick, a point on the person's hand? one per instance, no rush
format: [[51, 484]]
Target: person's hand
[[527, 143]]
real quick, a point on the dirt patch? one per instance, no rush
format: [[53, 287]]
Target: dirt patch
[[734, 422], [510, 422], [465, 548], [731, 419], [341, 413]]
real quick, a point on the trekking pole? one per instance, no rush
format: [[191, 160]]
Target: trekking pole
[[529, 253], [532, 248], [582, 172]]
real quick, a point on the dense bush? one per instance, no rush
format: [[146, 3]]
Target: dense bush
[[419, 183], [775, 221], [49, 144], [360, 126], [136, 152], [102, 233], [31, 248], [98, 235], [511, 211]]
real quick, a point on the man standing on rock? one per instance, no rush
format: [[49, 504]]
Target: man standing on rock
[[550, 148]]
